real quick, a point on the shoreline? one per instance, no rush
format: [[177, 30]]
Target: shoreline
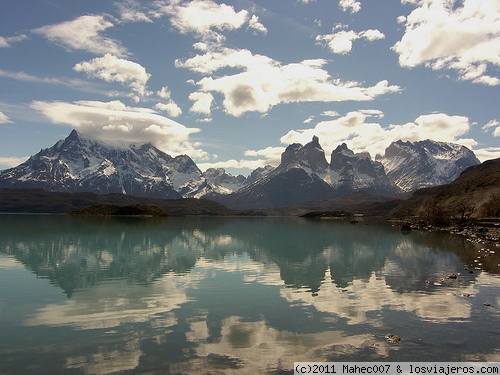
[[481, 231]]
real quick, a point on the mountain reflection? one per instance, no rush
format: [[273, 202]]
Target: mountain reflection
[[248, 295], [76, 253]]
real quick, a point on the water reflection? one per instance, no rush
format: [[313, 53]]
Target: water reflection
[[239, 295]]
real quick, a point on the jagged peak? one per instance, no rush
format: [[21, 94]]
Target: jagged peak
[[294, 147], [314, 142], [74, 134], [342, 148]]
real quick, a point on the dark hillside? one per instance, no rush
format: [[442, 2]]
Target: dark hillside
[[475, 193], [43, 201]]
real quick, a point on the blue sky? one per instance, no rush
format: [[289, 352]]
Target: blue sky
[[233, 83]]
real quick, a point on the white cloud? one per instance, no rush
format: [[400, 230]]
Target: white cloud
[[83, 33], [203, 17], [260, 158], [264, 82], [495, 124], [130, 11], [462, 36], [71, 83], [171, 108], [110, 68], [341, 42], [7, 41], [164, 93], [350, 5], [232, 163], [4, 119], [115, 122], [254, 23], [330, 113], [205, 119], [372, 112], [487, 153], [12, 161], [361, 135], [202, 102]]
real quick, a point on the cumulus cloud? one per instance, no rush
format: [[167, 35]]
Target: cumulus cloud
[[164, 93], [253, 23], [202, 102], [263, 82], [205, 18], [110, 68], [171, 108], [4, 119], [352, 6], [360, 134], [115, 122], [340, 42], [83, 33], [462, 36]]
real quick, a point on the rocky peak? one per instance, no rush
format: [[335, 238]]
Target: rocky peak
[[341, 156], [310, 156]]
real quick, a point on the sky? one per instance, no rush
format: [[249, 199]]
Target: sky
[[233, 83]]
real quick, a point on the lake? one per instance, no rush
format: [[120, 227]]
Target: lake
[[97, 295]]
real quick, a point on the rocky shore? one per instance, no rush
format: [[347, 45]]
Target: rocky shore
[[483, 231]]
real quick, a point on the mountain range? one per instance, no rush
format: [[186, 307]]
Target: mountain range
[[82, 164]]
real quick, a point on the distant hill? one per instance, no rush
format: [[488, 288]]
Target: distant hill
[[475, 193], [367, 204], [114, 210], [44, 201]]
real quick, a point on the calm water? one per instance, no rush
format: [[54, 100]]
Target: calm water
[[236, 295]]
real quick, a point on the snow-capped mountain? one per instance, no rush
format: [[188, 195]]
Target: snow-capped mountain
[[222, 182], [79, 163], [259, 173], [305, 175], [82, 164], [415, 165], [351, 172]]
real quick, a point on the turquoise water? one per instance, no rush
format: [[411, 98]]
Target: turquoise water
[[237, 295]]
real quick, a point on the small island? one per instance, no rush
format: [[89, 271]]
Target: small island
[[114, 210]]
